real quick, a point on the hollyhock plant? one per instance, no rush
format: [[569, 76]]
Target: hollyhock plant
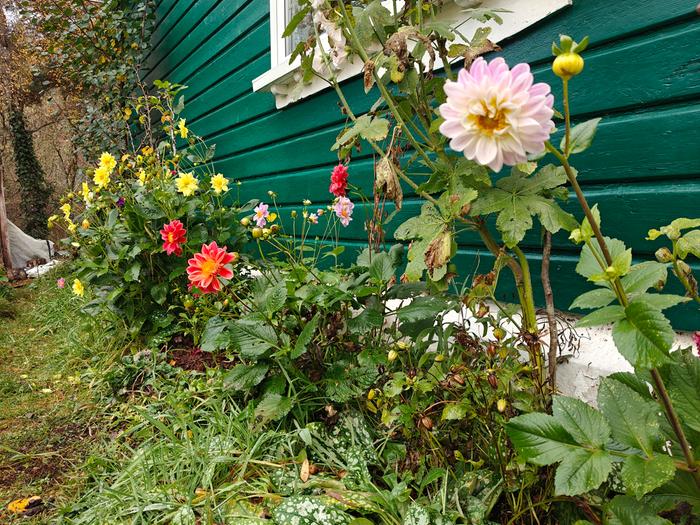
[[261, 214], [174, 236], [496, 115], [343, 209], [339, 181], [206, 268]]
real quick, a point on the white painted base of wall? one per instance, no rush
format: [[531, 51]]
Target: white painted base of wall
[[579, 375]]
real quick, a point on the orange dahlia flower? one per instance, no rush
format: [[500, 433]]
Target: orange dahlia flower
[[206, 268]]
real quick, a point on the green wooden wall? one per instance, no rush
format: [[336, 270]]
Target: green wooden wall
[[642, 75]]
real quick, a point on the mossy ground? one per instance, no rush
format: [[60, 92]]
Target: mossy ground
[[48, 423]]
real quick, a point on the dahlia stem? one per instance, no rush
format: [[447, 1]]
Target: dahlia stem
[[567, 119]]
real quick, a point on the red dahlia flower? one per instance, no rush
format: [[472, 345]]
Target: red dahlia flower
[[206, 268], [173, 235], [339, 181]]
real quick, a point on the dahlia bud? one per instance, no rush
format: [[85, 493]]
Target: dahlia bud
[[439, 358], [567, 65], [257, 233], [499, 333], [426, 422], [274, 228], [664, 255], [568, 62], [392, 355], [493, 381], [245, 221], [501, 405]]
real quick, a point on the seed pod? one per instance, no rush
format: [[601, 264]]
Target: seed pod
[[426, 422]]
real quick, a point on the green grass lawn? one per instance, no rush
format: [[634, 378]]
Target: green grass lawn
[[48, 423]]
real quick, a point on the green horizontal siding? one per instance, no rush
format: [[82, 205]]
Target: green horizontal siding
[[642, 75]]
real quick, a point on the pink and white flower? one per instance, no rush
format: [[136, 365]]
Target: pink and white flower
[[261, 214], [313, 218], [496, 115], [343, 209]]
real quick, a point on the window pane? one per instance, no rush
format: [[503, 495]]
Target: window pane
[[302, 32]]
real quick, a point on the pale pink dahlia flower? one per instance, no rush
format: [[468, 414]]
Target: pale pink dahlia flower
[[496, 115]]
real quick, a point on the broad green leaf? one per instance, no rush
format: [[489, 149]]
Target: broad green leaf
[[644, 337], [597, 298], [518, 197], [308, 510], [645, 275], [540, 438], [366, 127], [159, 292], [588, 265], [663, 301], [581, 136], [381, 269], [689, 243], [582, 470], [215, 337], [682, 488], [583, 422], [273, 407], [132, 272], [305, 337], [421, 230], [253, 338], [370, 21], [642, 475], [633, 420], [368, 319], [608, 314], [244, 377], [684, 389], [454, 411], [625, 510], [421, 308]]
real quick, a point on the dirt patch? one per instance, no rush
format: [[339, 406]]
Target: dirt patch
[[197, 360]]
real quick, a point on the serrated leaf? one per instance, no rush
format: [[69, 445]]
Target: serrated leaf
[[244, 377], [663, 301], [645, 275], [273, 407], [215, 337], [540, 438], [608, 314], [582, 470], [305, 337], [625, 510], [421, 308], [642, 475], [584, 423], [689, 243], [597, 298], [633, 420], [684, 389], [381, 269], [252, 338], [581, 136], [644, 337]]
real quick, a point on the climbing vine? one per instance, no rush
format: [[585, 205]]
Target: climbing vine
[[35, 191]]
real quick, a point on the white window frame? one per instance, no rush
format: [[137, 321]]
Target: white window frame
[[278, 78]]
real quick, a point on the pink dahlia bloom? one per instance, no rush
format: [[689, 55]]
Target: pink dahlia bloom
[[261, 214], [61, 282], [343, 209], [696, 340], [206, 268], [496, 115], [339, 181], [174, 236]]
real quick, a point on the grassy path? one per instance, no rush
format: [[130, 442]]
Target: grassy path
[[47, 419]]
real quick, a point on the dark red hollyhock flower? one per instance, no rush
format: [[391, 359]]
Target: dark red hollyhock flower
[[173, 235], [339, 181]]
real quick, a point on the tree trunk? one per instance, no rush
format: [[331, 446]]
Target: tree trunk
[[5, 103]]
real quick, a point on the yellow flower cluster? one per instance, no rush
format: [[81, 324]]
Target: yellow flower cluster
[[104, 170], [182, 129]]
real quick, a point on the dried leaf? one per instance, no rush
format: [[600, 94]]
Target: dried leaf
[[304, 474], [387, 182]]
